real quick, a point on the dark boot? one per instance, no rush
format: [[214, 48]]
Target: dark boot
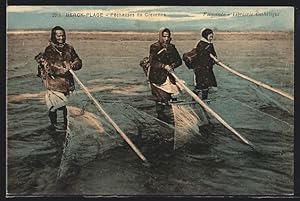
[[160, 111], [165, 113], [53, 118], [65, 114], [169, 114], [196, 91], [204, 94]]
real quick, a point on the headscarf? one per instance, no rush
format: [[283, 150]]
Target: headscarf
[[160, 34], [53, 32], [53, 41], [204, 34]]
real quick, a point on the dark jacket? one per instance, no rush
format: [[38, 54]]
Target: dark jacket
[[204, 68], [168, 56], [57, 59]]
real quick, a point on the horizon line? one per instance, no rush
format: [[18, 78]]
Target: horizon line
[[138, 31]]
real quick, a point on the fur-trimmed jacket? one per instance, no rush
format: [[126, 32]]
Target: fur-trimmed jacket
[[159, 57], [54, 62]]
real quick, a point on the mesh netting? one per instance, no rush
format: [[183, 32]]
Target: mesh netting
[[187, 124], [90, 135]]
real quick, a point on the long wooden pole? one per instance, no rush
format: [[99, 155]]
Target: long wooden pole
[[278, 91], [123, 135], [208, 109]]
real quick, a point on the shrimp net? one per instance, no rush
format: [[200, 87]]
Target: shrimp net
[[187, 120]]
